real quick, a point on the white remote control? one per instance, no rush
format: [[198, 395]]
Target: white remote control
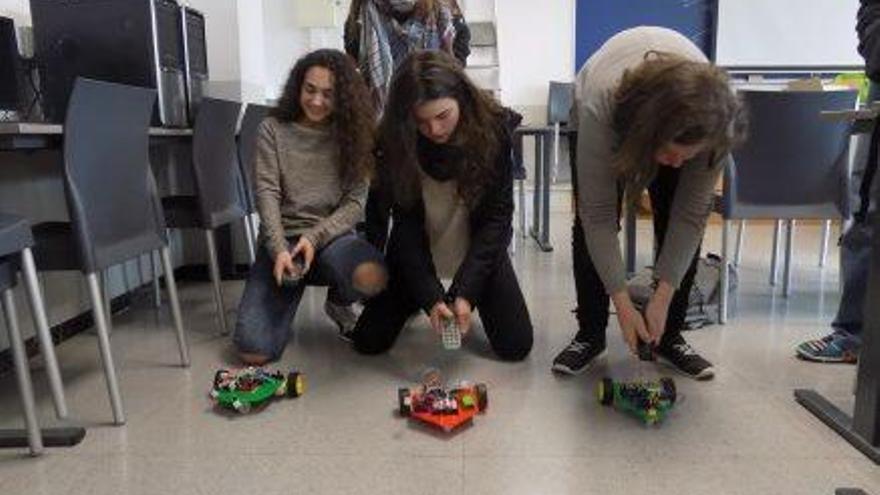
[[451, 336]]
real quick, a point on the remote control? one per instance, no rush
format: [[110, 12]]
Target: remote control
[[451, 336], [646, 351], [289, 279]]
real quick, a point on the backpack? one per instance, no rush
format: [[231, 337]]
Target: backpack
[[705, 295]]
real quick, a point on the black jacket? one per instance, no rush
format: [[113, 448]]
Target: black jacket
[[408, 253], [868, 28]]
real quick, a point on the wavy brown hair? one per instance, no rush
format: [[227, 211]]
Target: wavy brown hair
[[422, 77], [670, 99], [353, 119]]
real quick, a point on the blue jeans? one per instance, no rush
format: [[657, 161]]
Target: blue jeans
[[855, 245], [267, 310]]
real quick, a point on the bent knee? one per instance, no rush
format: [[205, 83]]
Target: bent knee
[[370, 278], [514, 352]]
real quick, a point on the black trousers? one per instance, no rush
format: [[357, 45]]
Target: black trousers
[[502, 310], [592, 300]]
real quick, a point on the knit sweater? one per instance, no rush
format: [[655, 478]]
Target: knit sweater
[[447, 225], [598, 195], [299, 188]]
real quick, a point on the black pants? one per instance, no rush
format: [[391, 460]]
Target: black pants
[[502, 309], [592, 299]]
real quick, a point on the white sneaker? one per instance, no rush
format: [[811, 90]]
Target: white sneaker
[[344, 317]]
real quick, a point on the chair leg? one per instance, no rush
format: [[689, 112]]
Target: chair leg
[[789, 251], [47, 348], [249, 239], [725, 274], [108, 301], [154, 266], [25, 386], [740, 240], [557, 127], [102, 326], [823, 250], [774, 261], [254, 219], [126, 282], [140, 273], [521, 186], [214, 269], [175, 307]]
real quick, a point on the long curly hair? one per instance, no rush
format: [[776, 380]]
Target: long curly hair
[[428, 75], [670, 99], [353, 119]]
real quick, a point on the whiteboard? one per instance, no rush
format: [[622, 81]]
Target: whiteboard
[[787, 33]]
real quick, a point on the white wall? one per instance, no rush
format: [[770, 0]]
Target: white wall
[[536, 45], [252, 57], [478, 10], [286, 41], [18, 10], [222, 33], [787, 33]]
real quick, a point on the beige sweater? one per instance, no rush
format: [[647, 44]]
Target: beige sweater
[[298, 186], [596, 84], [447, 223]]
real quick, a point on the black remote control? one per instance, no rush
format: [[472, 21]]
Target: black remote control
[[646, 351], [289, 279]]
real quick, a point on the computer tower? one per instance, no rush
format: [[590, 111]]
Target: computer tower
[[136, 42], [195, 51], [10, 68]]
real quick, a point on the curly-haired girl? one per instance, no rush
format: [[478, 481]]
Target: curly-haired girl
[[314, 159]]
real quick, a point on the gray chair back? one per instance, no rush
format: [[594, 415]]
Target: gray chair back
[[795, 163], [215, 163], [559, 102], [110, 191], [247, 144]]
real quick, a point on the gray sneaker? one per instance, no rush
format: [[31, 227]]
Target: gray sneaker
[[344, 316]]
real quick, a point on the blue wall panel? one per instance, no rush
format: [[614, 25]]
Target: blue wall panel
[[598, 20]]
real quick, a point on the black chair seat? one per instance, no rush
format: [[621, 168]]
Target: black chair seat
[[182, 212], [8, 270], [56, 247], [15, 234]]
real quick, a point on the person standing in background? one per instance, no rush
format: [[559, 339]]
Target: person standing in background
[[380, 34], [842, 345]]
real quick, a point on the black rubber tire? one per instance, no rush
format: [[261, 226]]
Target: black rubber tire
[[217, 377], [607, 397], [669, 385], [292, 378], [482, 396], [402, 406]]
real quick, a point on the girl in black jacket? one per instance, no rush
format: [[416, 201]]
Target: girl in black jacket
[[445, 177]]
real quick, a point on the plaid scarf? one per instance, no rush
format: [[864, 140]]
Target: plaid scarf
[[390, 30]]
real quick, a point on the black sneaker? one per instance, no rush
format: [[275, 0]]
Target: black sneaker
[[577, 356], [685, 359]]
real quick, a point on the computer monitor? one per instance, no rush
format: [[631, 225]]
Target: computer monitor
[[10, 68]]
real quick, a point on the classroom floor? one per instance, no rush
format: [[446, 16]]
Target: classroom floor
[[740, 434]]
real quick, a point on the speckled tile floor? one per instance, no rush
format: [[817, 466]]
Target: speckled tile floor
[[739, 434]]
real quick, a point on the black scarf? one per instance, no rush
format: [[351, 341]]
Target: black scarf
[[442, 162]]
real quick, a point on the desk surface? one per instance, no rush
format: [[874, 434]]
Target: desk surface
[[38, 129]]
